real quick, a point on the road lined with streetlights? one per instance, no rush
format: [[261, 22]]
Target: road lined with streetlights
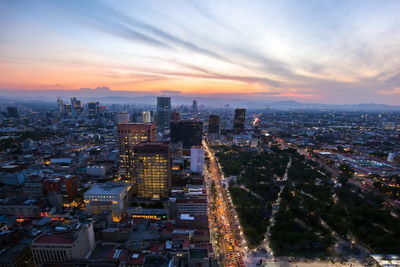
[[227, 238]]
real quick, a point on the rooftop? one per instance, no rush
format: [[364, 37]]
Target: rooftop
[[56, 238], [108, 188]]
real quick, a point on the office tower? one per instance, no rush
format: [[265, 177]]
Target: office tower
[[67, 109], [147, 116], [196, 159], [175, 116], [189, 132], [93, 109], [163, 112], [130, 134], [213, 124], [76, 106], [194, 107], [238, 121], [122, 117], [64, 243], [12, 112], [60, 105], [109, 196], [153, 169]]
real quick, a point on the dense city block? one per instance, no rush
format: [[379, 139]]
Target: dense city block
[[176, 185]]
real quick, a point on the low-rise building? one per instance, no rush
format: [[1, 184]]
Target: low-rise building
[[73, 242], [109, 196]]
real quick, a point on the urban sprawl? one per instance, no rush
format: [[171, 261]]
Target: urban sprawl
[[86, 184]]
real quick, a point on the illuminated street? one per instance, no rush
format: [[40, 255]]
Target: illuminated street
[[227, 238]]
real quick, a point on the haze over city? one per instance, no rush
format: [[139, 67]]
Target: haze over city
[[336, 52]]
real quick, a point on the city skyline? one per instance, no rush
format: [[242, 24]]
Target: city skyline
[[340, 52]]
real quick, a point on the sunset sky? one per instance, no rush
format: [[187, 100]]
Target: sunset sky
[[312, 51]]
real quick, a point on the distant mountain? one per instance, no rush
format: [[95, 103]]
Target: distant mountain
[[294, 105], [107, 96]]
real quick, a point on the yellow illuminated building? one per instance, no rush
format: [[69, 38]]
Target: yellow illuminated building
[[130, 134], [153, 169]]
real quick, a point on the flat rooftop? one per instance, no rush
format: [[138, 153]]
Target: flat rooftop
[[108, 188], [56, 238]]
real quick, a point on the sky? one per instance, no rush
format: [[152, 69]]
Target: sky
[[340, 52]]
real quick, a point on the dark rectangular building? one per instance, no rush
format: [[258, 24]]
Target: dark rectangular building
[[189, 132], [213, 124], [163, 112], [238, 121]]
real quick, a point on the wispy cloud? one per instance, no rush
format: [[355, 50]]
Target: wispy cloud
[[341, 51]]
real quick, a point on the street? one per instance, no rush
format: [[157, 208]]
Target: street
[[226, 236]]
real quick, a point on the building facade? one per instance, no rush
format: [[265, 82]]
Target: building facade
[[122, 117], [147, 116], [63, 244], [105, 197], [66, 185], [130, 134], [238, 121], [163, 112], [189, 132], [213, 125], [153, 168], [197, 160], [93, 109]]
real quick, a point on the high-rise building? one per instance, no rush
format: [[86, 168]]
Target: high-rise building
[[60, 105], [147, 116], [213, 124], [196, 159], [194, 108], [175, 116], [76, 106], [163, 112], [122, 117], [67, 109], [189, 132], [130, 134], [238, 121], [153, 169], [93, 109]]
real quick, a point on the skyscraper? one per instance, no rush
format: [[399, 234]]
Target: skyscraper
[[163, 112], [60, 105], [189, 132], [213, 124], [93, 109], [238, 121], [194, 108], [130, 134], [76, 106], [153, 169]]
